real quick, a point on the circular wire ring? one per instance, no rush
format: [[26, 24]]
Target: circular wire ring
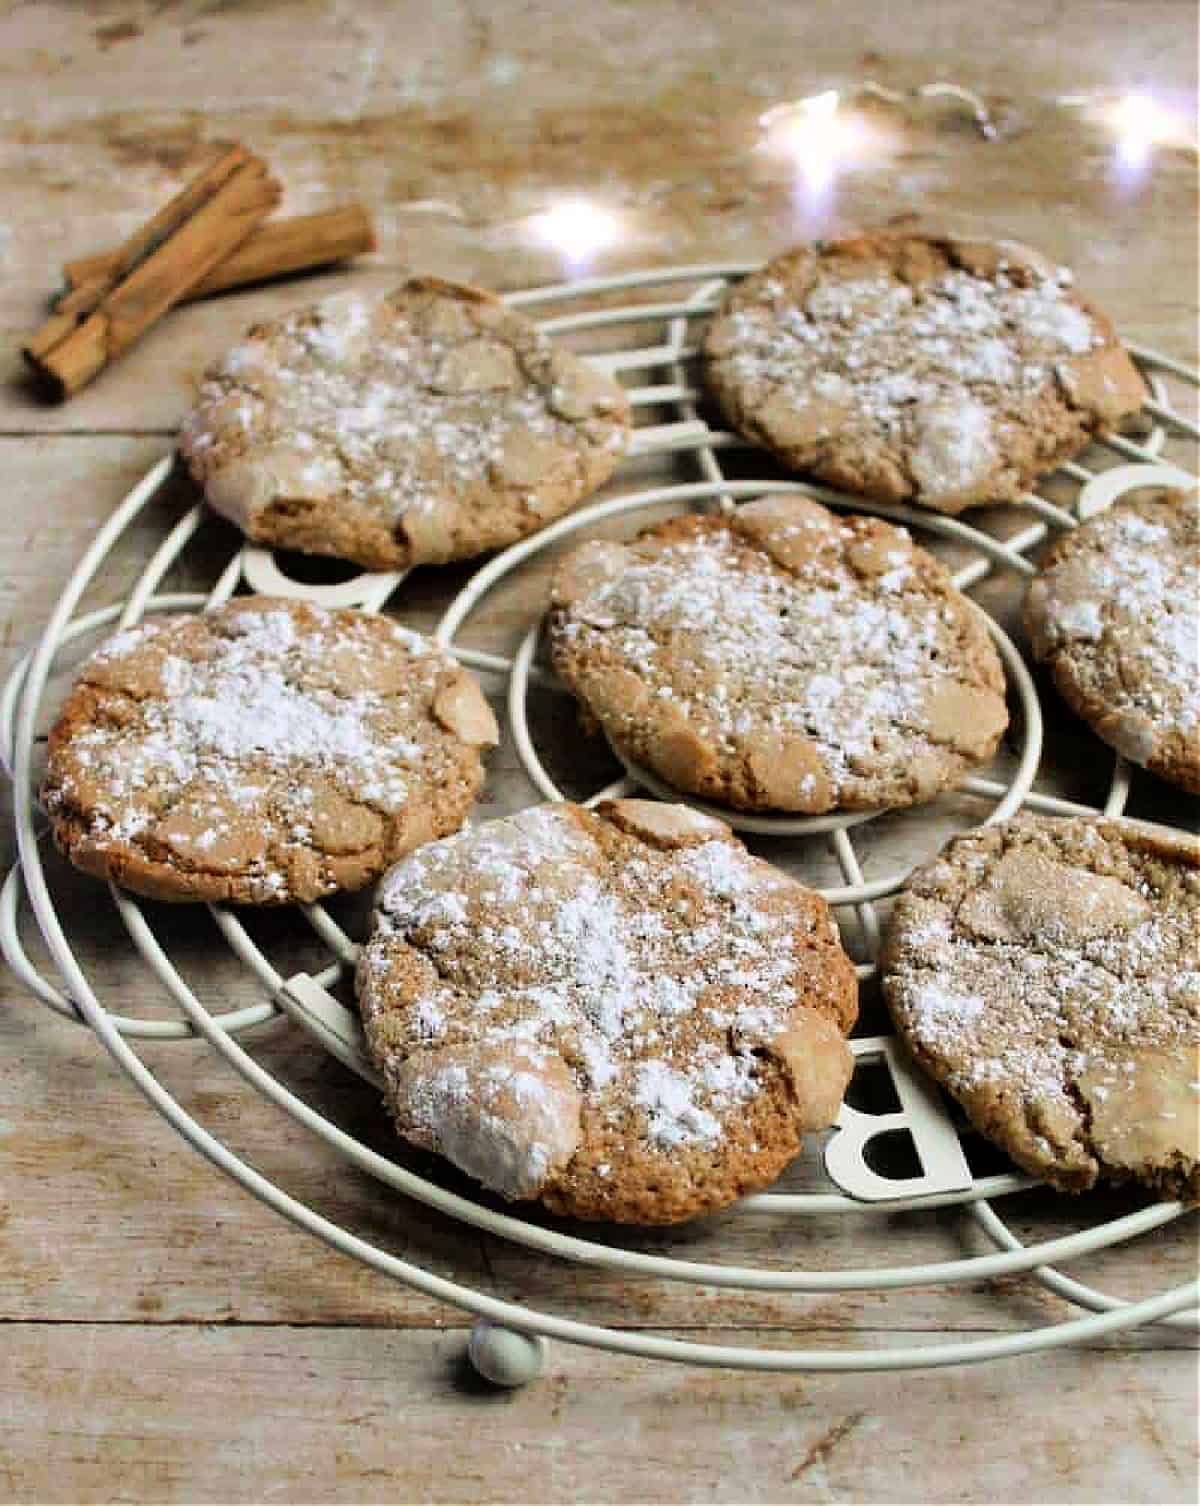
[[21, 699]]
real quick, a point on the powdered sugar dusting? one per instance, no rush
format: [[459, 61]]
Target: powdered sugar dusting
[[1031, 1012], [925, 370], [749, 653], [499, 1123], [557, 948], [254, 725], [940, 1013], [1130, 586], [673, 1117], [1081, 619], [394, 408], [954, 446]]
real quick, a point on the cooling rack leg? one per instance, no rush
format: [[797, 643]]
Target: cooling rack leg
[[504, 1356]]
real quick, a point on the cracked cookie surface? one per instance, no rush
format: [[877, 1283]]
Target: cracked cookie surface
[[1047, 973], [619, 1012], [425, 426], [1115, 613], [931, 369], [264, 752], [780, 658]]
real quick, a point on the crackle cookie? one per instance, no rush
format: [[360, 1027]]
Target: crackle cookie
[[1115, 613], [780, 658], [1047, 973], [617, 1012], [264, 752], [918, 368], [426, 426]]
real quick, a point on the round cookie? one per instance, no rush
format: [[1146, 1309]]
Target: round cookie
[[426, 426], [918, 368], [1115, 613], [1047, 973], [265, 752], [780, 658], [618, 1012]]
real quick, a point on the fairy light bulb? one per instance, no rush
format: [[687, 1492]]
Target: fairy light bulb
[[577, 229], [819, 136], [1140, 123], [811, 134]]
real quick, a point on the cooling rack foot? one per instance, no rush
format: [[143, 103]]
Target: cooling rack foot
[[504, 1356]]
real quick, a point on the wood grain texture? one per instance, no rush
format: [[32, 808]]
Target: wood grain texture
[[342, 1415], [162, 1335]]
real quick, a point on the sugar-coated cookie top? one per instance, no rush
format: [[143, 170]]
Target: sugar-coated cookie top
[[780, 658], [581, 1006], [426, 425], [1115, 611], [948, 371], [1048, 973], [261, 750]]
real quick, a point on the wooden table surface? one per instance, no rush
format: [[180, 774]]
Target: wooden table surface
[[162, 1335]]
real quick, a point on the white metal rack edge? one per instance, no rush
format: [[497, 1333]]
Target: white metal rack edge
[[508, 1341]]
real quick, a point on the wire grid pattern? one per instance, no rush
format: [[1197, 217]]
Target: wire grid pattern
[[668, 356]]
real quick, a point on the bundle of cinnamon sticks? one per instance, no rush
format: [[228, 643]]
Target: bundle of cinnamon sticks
[[213, 235]]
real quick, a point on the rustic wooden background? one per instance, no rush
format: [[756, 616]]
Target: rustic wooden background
[[162, 1336]]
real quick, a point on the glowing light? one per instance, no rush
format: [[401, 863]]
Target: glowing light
[[1141, 123], [816, 135], [577, 229]]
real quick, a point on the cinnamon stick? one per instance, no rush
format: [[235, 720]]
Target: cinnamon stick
[[159, 264], [72, 309], [298, 244]]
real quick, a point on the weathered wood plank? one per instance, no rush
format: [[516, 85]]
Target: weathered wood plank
[[132, 1413], [119, 1247], [659, 119]]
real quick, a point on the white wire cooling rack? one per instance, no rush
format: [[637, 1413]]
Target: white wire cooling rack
[[657, 310]]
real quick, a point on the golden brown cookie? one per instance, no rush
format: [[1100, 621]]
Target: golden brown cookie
[[1115, 613], [918, 368], [618, 1012], [427, 426], [1047, 973], [780, 659], [264, 752]]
